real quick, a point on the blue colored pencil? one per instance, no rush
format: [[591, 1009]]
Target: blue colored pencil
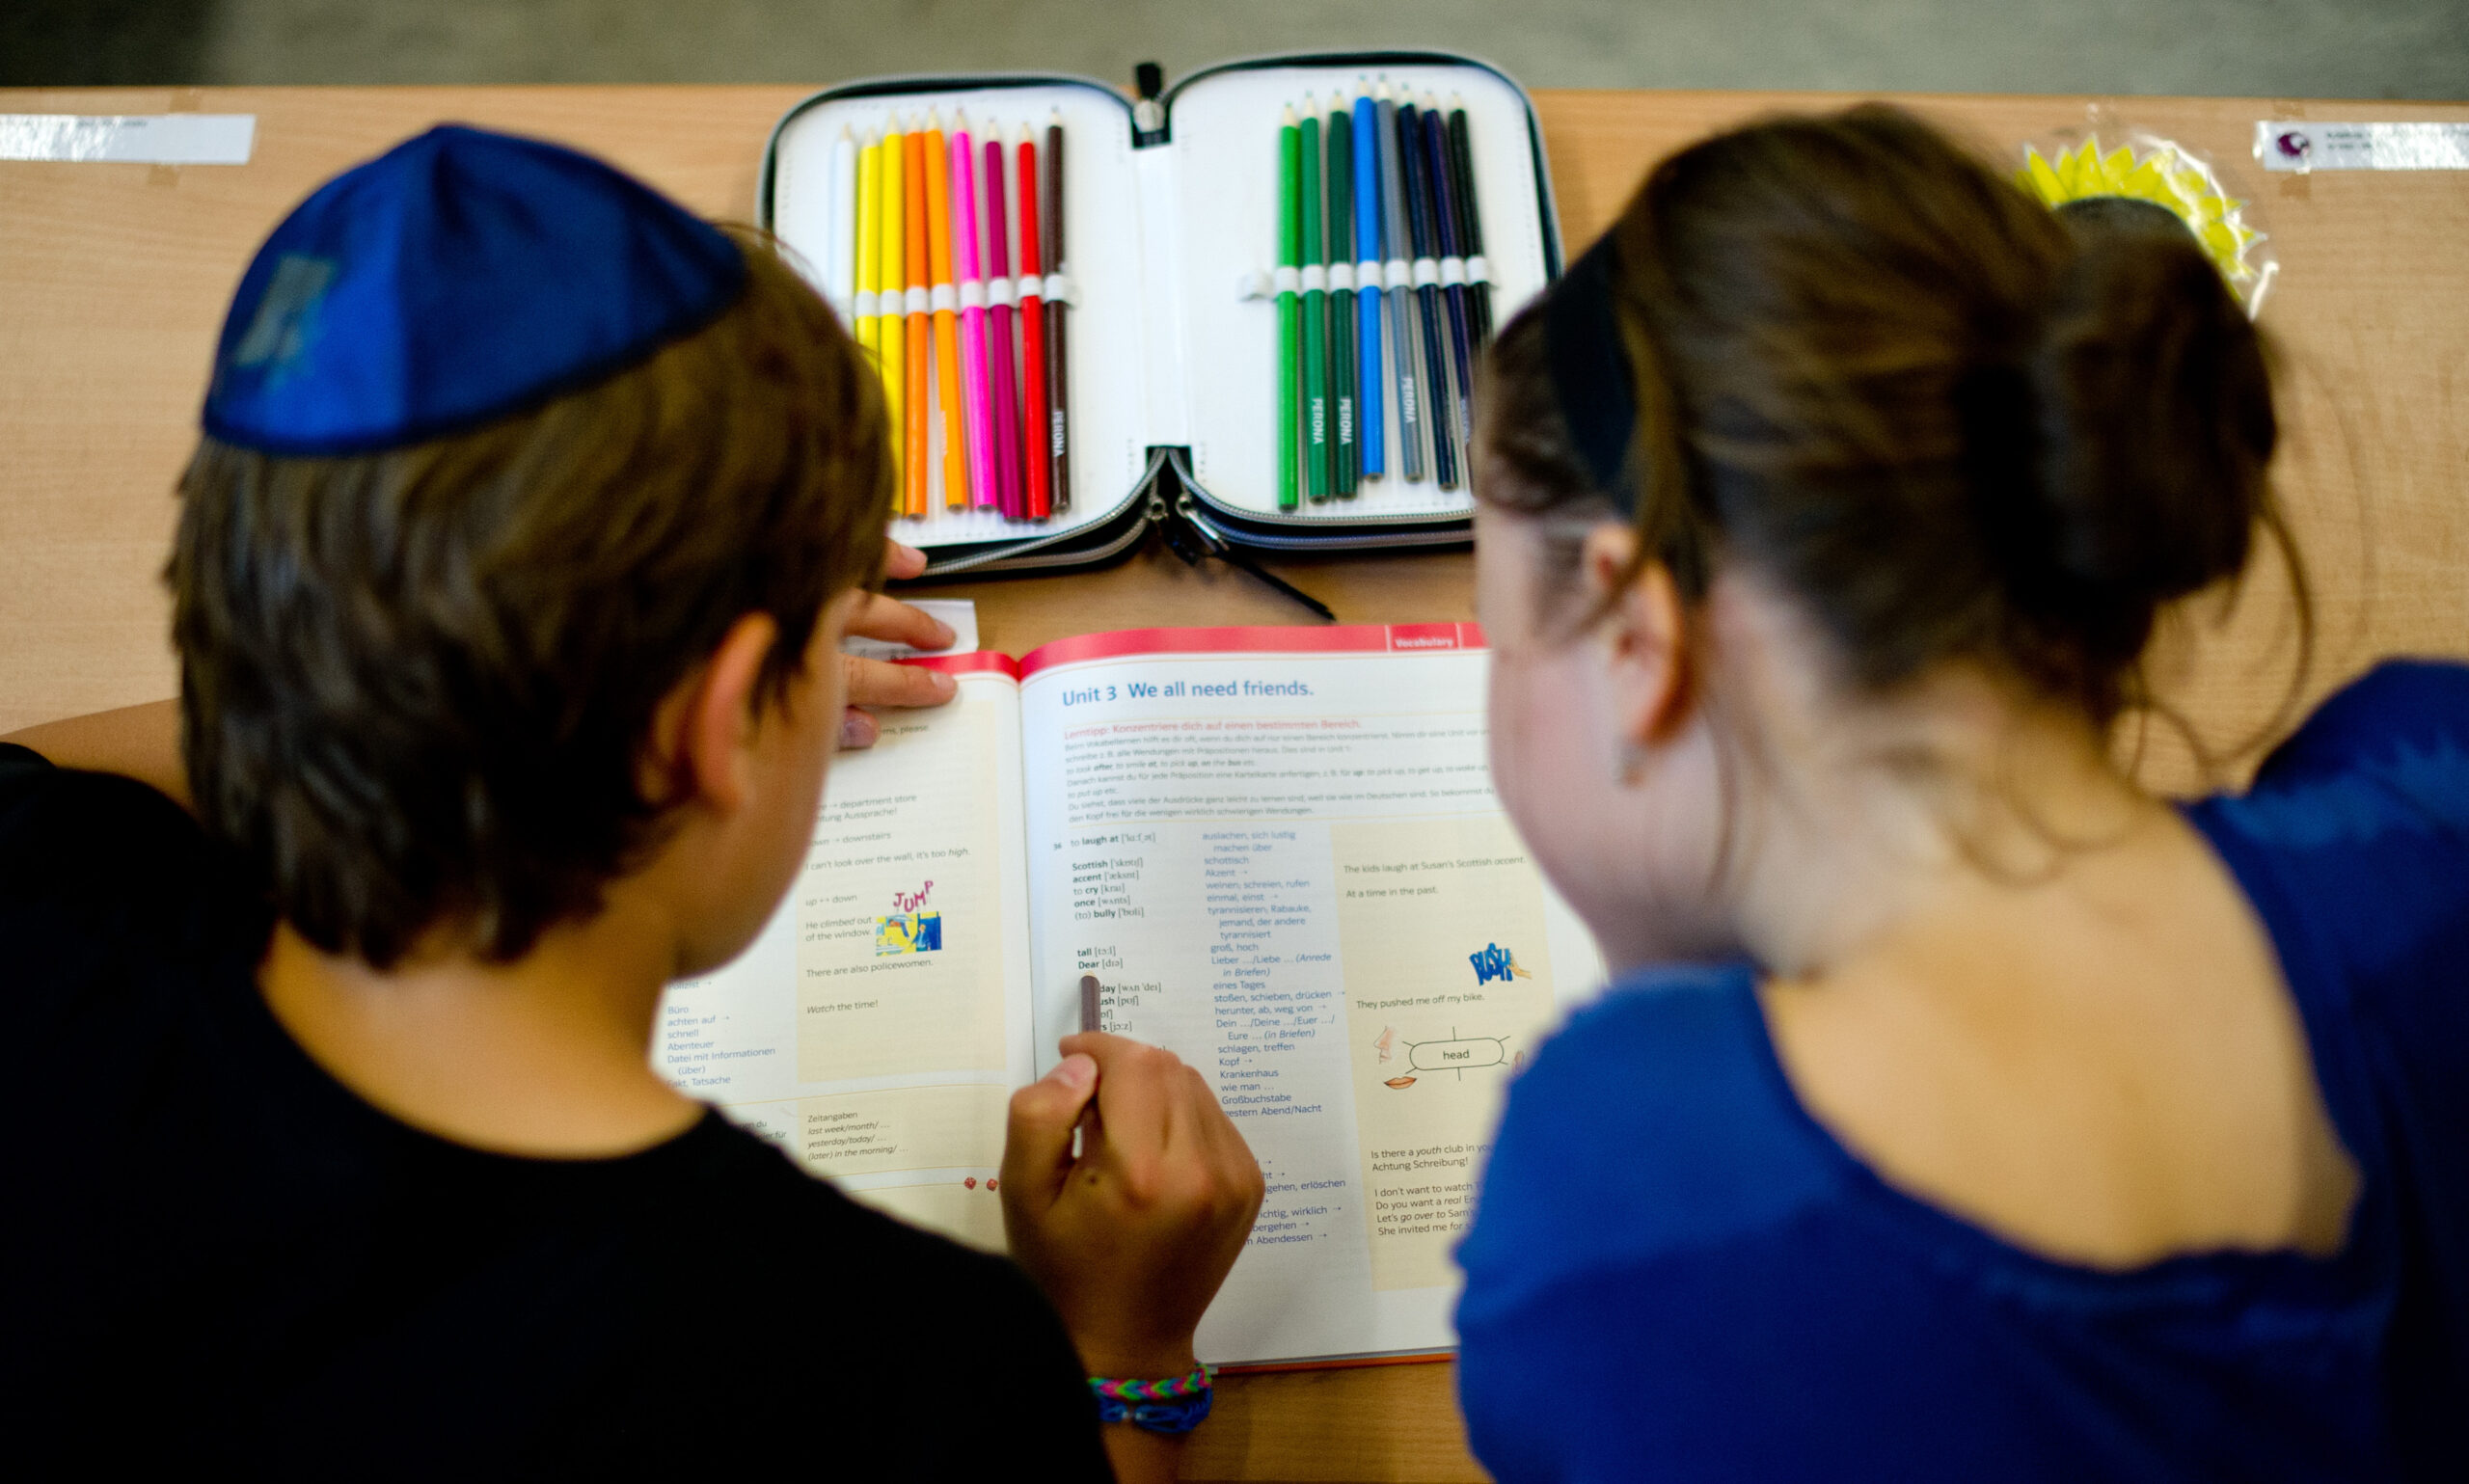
[[1368, 416]]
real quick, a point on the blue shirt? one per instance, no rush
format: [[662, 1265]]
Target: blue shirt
[[1675, 1273]]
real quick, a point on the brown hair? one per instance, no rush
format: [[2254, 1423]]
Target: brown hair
[[417, 685], [1942, 420]]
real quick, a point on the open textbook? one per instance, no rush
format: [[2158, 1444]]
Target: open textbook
[[1279, 853]]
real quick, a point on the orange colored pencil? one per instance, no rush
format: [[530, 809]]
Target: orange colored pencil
[[912, 171], [947, 337]]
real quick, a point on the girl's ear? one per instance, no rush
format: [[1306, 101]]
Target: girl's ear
[[706, 724], [1643, 633]]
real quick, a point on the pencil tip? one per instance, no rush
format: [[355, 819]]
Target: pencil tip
[[1288, 119], [1457, 103]]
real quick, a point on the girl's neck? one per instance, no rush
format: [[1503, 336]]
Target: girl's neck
[[1860, 830]]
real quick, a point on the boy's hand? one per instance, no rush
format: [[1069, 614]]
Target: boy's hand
[[1132, 1239], [880, 682]]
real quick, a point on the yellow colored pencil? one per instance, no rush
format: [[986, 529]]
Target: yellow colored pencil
[[915, 318], [891, 335], [870, 245]]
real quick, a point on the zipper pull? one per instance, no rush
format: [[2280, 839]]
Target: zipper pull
[[1190, 537], [1148, 114]]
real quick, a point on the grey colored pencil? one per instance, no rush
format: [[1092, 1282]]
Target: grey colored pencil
[[1401, 320]]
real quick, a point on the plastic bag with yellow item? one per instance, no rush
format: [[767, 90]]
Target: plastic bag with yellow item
[[2108, 159]]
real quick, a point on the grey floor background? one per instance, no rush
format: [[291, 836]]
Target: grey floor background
[[2321, 48]]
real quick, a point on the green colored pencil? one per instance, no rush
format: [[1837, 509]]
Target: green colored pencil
[[1289, 325], [1315, 319], [1341, 320]]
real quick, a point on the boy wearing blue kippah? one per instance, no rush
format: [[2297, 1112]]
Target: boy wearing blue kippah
[[509, 588]]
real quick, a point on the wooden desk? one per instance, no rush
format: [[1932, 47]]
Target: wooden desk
[[113, 278]]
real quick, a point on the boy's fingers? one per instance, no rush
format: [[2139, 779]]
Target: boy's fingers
[[879, 617], [1036, 1144], [881, 683], [902, 561], [1135, 1099], [857, 729]]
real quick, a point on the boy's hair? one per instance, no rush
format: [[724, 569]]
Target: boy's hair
[[417, 685]]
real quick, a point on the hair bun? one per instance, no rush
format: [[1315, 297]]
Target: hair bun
[[2156, 422]]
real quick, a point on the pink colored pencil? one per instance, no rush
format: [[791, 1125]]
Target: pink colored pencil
[[998, 342], [982, 480]]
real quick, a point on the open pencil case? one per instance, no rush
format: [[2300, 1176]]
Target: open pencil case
[[1172, 216]]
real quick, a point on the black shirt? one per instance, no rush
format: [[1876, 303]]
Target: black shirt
[[215, 1254]]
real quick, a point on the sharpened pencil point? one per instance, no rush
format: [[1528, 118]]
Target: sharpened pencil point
[[1288, 119]]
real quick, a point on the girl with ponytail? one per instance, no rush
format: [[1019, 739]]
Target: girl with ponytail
[[1964, 1111]]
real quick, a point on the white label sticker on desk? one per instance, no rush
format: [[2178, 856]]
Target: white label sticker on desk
[[130, 139], [2296, 145]]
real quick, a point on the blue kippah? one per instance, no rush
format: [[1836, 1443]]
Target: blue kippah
[[458, 277]]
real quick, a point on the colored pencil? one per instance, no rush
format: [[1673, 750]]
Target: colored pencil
[[1290, 314], [981, 482], [1339, 223], [918, 316], [870, 247], [1058, 266], [1437, 421], [1470, 222], [890, 343], [1000, 363], [1405, 348], [840, 243], [1442, 189], [1033, 404], [1317, 446], [1371, 420], [945, 302]]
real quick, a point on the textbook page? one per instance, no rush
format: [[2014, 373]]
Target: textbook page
[[876, 1025], [1279, 852]]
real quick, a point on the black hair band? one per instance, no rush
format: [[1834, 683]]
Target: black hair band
[[1590, 367]]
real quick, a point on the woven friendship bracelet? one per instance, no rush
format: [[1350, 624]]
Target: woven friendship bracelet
[[1176, 1404], [1193, 1382]]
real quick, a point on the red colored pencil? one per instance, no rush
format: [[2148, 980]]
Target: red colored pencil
[[1033, 404]]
